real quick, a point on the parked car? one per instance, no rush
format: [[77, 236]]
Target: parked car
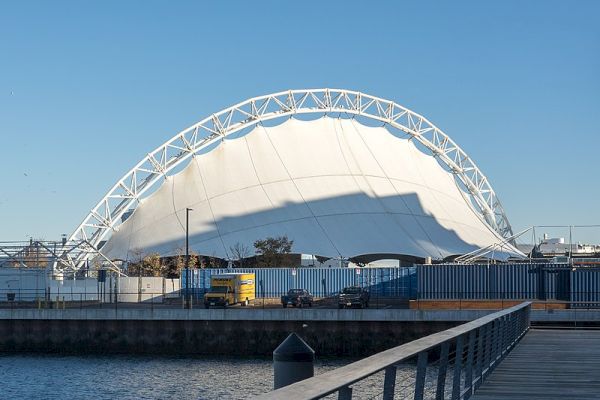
[[353, 296], [297, 298]]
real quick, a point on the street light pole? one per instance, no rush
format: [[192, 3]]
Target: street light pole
[[188, 302]]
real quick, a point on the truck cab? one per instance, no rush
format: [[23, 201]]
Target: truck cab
[[218, 296], [229, 289]]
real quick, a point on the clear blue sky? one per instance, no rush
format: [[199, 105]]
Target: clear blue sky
[[88, 88]]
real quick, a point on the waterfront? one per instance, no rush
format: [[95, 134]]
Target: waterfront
[[34, 376]]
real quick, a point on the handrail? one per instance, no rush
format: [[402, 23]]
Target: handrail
[[496, 334]]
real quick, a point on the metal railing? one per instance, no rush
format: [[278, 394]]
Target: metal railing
[[468, 353]]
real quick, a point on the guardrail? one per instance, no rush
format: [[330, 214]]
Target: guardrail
[[468, 353]]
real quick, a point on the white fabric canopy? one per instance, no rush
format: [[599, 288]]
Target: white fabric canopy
[[333, 186]]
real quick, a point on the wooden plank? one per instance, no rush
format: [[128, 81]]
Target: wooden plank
[[548, 364]]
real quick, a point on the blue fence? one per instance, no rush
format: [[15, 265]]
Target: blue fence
[[508, 281], [428, 282], [585, 288], [321, 282]]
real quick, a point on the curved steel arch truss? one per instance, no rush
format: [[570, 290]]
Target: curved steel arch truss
[[126, 193]]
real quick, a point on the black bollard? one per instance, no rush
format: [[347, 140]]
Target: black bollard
[[293, 361]]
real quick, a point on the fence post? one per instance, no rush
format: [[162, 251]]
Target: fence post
[[457, 368], [389, 383], [488, 349], [494, 352], [420, 378], [480, 349], [442, 369], [498, 339], [469, 366], [345, 393]]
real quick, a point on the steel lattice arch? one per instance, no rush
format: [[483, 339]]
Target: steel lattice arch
[[106, 217]]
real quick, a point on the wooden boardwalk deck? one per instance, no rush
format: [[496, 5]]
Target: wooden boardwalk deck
[[548, 364]]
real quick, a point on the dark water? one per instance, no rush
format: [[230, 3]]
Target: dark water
[[124, 377]]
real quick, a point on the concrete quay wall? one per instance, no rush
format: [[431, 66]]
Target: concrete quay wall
[[236, 332], [248, 332]]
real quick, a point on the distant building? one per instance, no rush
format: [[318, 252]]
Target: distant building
[[554, 247]]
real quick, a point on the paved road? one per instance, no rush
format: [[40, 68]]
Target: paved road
[[548, 364]]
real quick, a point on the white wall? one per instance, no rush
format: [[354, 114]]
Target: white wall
[[172, 288], [74, 290], [147, 289], [27, 284]]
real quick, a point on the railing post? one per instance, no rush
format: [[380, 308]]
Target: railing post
[[420, 377], [389, 383], [507, 333], [501, 328], [345, 393], [457, 368], [494, 343], [469, 366], [442, 369], [510, 320], [480, 351], [519, 324], [488, 349]]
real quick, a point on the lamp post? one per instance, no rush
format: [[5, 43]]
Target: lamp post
[[188, 302]]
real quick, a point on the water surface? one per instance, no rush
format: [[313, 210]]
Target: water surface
[[33, 376]]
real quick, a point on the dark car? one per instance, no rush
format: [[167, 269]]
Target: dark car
[[297, 298], [353, 296]]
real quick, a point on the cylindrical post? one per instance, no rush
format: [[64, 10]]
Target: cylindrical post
[[293, 361]]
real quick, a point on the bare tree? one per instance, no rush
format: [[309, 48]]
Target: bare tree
[[240, 252]]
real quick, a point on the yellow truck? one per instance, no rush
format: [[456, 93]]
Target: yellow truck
[[228, 289]]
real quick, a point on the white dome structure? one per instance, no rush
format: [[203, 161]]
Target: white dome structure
[[335, 184]]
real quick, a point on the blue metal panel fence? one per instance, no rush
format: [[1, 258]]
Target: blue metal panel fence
[[321, 282], [585, 288], [493, 281]]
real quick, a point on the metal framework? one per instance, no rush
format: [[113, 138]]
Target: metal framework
[[126, 193], [60, 256]]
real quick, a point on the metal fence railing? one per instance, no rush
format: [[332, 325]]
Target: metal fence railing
[[39, 298], [449, 364]]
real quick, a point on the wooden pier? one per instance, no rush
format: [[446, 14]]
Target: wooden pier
[[548, 364]]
